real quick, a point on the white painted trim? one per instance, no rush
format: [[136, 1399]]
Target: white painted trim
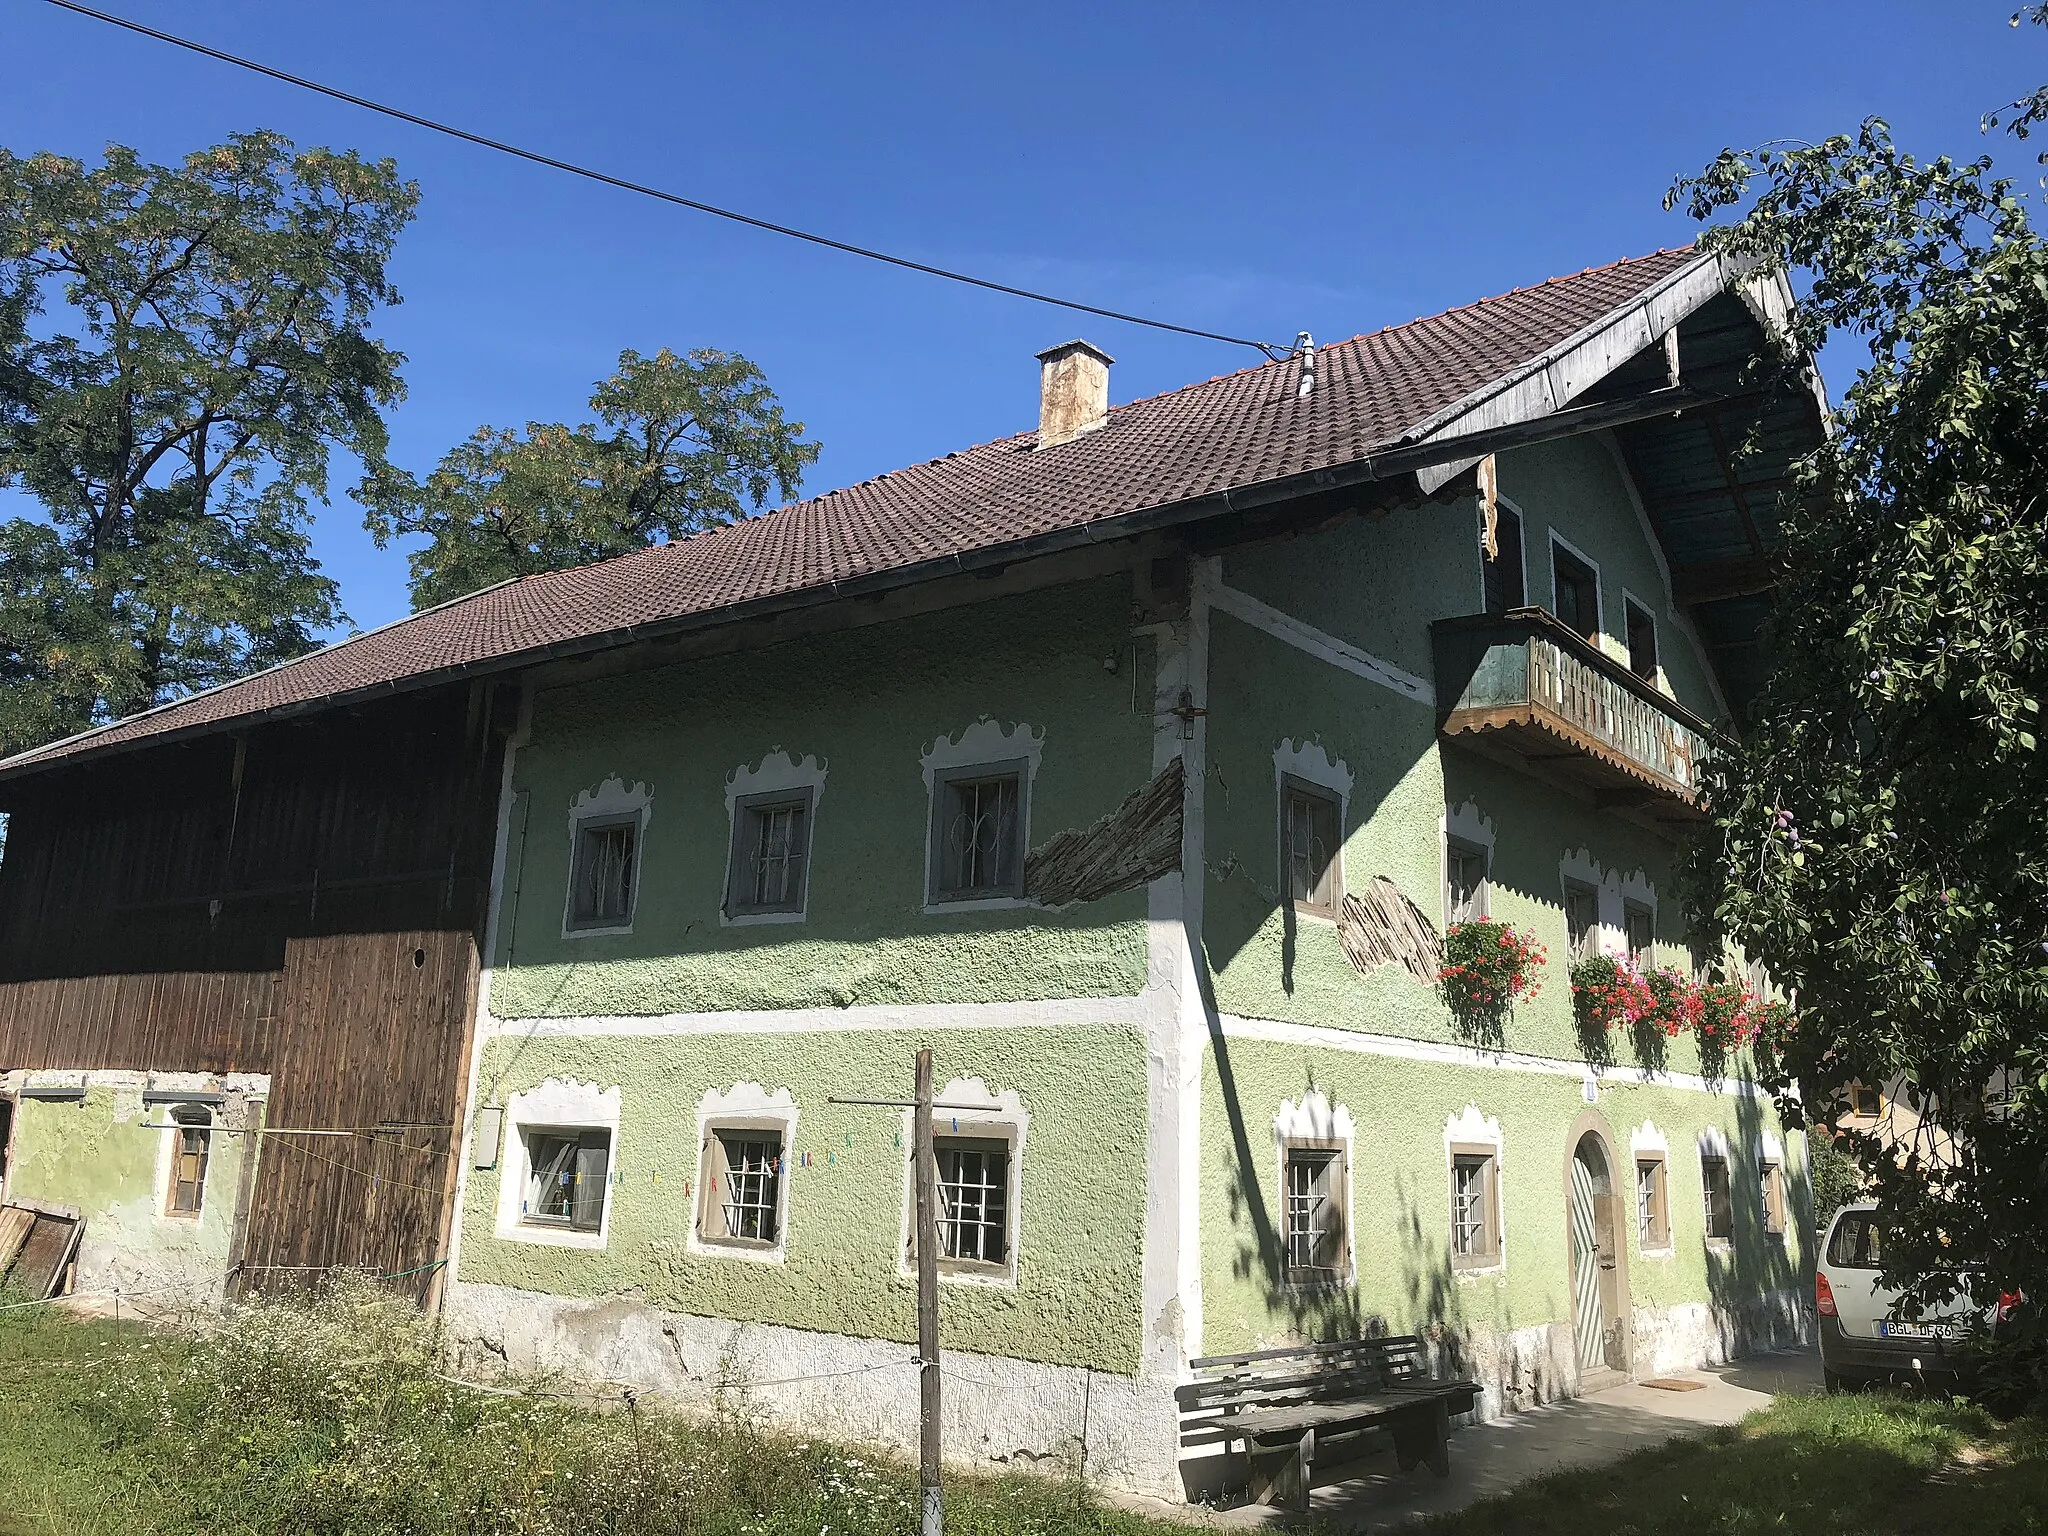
[[777, 772], [166, 1162], [998, 1117], [1647, 1141], [560, 1104], [1318, 643], [1509, 504], [985, 741], [611, 798], [748, 1102], [1599, 634], [1309, 762], [1314, 1119], [1052, 1013], [1472, 826], [1444, 1053], [1473, 1127]]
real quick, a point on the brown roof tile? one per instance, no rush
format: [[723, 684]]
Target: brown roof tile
[[1235, 430]]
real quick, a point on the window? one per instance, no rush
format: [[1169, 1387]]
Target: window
[[1575, 591], [1771, 1178], [974, 1202], [1642, 640], [1501, 577], [565, 1180], [601, 889], [978, 833], [1865, 1103], [1315, 1202], [1310, 838], [1581, 920], [1653, 1214], [1720, 1208], [1466, 894], [1475, 1223], [770, 854], [1857, 1243], [189, 1149], [1641, 925], [740, 1187]]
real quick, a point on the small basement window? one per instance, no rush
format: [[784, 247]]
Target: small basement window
[[1475, 1208], [977, 836], [1653, 1210], [1310, 839], [1315, 1199], [1575, 591], [974, 1203], [1642, 640], [771, 845], [190, 1149], [568, 1171], [1501, 577], [602, 880], [1718, 1198], [1466, 896], [1771, 1178], [1581, 920]]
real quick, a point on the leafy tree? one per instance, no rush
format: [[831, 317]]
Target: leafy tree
[[180, 348], [1879, 835], [681, 444]]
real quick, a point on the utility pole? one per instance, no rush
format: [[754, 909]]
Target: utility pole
[[927, 1248]]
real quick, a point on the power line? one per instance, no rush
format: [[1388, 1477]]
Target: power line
[[1271, 351]]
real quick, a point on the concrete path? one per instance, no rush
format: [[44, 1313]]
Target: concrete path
[[1489, 1459]]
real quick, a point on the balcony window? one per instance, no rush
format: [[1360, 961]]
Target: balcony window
[[1642, 640], [1575, 592], [1501, 576]]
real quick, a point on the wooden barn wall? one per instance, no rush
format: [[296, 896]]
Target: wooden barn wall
[[305, 901]]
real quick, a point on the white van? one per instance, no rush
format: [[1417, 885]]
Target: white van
[[1863, 1337]]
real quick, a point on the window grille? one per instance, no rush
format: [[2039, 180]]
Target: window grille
[[980, 831], [770, 855], [974, 1201], [1719, 1203], [567, 1172], [1309, 839], [1465, 869], [1471, 1208], [1314, 1213], [189, 1159], [1651, 1226], [1581, 920], [605, 853], [749, 1193], [1773, 1195]]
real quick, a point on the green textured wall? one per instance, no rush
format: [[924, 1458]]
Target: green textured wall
[[866, 702], [93, 1156], [1401, 1195], [1077, 1298]]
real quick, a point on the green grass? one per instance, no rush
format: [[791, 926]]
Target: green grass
[[331, 1420], [1860, 1465]]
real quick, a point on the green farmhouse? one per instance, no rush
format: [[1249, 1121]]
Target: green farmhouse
[[1140, 766]]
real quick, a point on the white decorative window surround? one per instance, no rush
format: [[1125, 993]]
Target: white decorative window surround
[[744, 1107], [1466, 1134], [1308, 763], [1717, 1192], [1615, 893], [1646, 1143], [1001, 749], [611, 803], [559, 1104], [969, 1117], [1465, 830], [1314, 1145], [779, 778]]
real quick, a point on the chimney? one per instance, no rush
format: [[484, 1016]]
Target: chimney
[[1073, 395]]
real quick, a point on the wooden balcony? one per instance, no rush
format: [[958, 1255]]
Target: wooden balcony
[[1522, 688]]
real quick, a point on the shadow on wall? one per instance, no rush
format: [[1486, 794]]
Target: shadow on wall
[[1760, 1287]]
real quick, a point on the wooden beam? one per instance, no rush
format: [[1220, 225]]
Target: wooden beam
[[1712, 580], [1719, 492], [1720, 441]]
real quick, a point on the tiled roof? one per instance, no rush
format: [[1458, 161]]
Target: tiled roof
[[1237, 430]]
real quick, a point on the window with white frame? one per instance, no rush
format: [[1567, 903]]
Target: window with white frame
[[567, 1175], [1581, 920], [974, 1189], [607, 850], [1642, 640], [741, 1185], [1311, 837], [771, 845], [191, 1147], [1315, 1199], [1640, 926], [1466, 892], [1653, 1211], [977, 833], [1575, 591], [1475, 1207]]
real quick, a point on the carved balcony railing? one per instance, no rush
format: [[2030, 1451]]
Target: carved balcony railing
[[1521, 686]]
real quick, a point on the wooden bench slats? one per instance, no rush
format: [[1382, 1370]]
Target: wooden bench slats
[[1391, 1344]]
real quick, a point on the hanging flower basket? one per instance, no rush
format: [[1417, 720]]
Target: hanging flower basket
[[1607, 995], [1727, 1014], [1676, 1005], [1488, 968]]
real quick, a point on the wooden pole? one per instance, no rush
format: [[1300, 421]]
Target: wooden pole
[[933, 1522]]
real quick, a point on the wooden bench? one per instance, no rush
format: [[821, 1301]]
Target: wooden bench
[[1287, 1406]]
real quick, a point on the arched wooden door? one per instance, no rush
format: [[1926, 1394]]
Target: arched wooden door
[[1599, 1283]]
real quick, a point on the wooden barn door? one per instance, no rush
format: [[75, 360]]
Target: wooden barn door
[[373, 1041]]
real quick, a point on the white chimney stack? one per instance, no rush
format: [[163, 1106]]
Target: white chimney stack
[[1073, 391]]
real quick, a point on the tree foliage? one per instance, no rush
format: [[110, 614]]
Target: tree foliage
[[180, 348], [680, 444], [1879, 835]]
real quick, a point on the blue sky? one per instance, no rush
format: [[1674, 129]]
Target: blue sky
[[1257, 170]]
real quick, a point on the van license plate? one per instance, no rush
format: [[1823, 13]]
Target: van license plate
[[1919, 1331]]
